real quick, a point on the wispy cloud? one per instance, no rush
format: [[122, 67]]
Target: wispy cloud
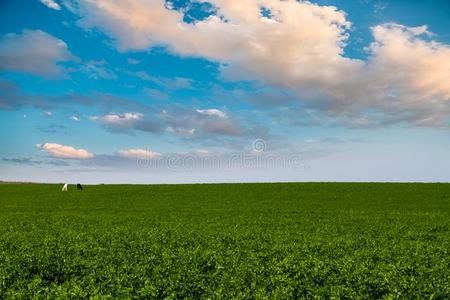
[[212, 112], [22, 161], [127, 122], [139, 153], [51, 4], [47, 114], [12, 97], [175, 83], [97, 70], [52, 128]]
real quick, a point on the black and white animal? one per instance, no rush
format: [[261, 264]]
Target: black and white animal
[[79, 187]]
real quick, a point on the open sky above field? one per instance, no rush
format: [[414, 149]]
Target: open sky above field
[[224, 91]]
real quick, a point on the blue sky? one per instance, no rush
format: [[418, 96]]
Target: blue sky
[[224, 91]]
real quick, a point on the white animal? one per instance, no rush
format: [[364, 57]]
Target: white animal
[[64, 189]]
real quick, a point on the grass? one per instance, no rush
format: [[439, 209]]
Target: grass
[[305, 240]]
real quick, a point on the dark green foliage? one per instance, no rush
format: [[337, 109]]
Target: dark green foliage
[[226, 241]]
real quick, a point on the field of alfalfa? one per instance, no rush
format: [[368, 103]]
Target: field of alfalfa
[[284, 241]]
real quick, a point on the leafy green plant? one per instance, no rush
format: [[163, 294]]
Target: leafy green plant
[[259, 241]]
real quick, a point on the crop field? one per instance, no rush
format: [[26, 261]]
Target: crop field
[[222, 241]]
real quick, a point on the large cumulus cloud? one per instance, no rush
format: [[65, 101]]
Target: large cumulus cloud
[[297, 46]]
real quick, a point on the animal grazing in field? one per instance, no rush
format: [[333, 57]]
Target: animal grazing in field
[[79, 187], [64, 188]]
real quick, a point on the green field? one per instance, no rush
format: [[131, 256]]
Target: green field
[[305, 240]]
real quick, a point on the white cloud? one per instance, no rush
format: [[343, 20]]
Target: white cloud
[[300, 48], [139, 153], [406, 79], [212, 112], [35, 52], [47, 114], [118, 118], [126, 122], [401, 58], [51, 4], [75, 118], [283, 49], [61, 151]]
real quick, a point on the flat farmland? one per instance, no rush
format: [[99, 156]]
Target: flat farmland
[[222, 241]]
